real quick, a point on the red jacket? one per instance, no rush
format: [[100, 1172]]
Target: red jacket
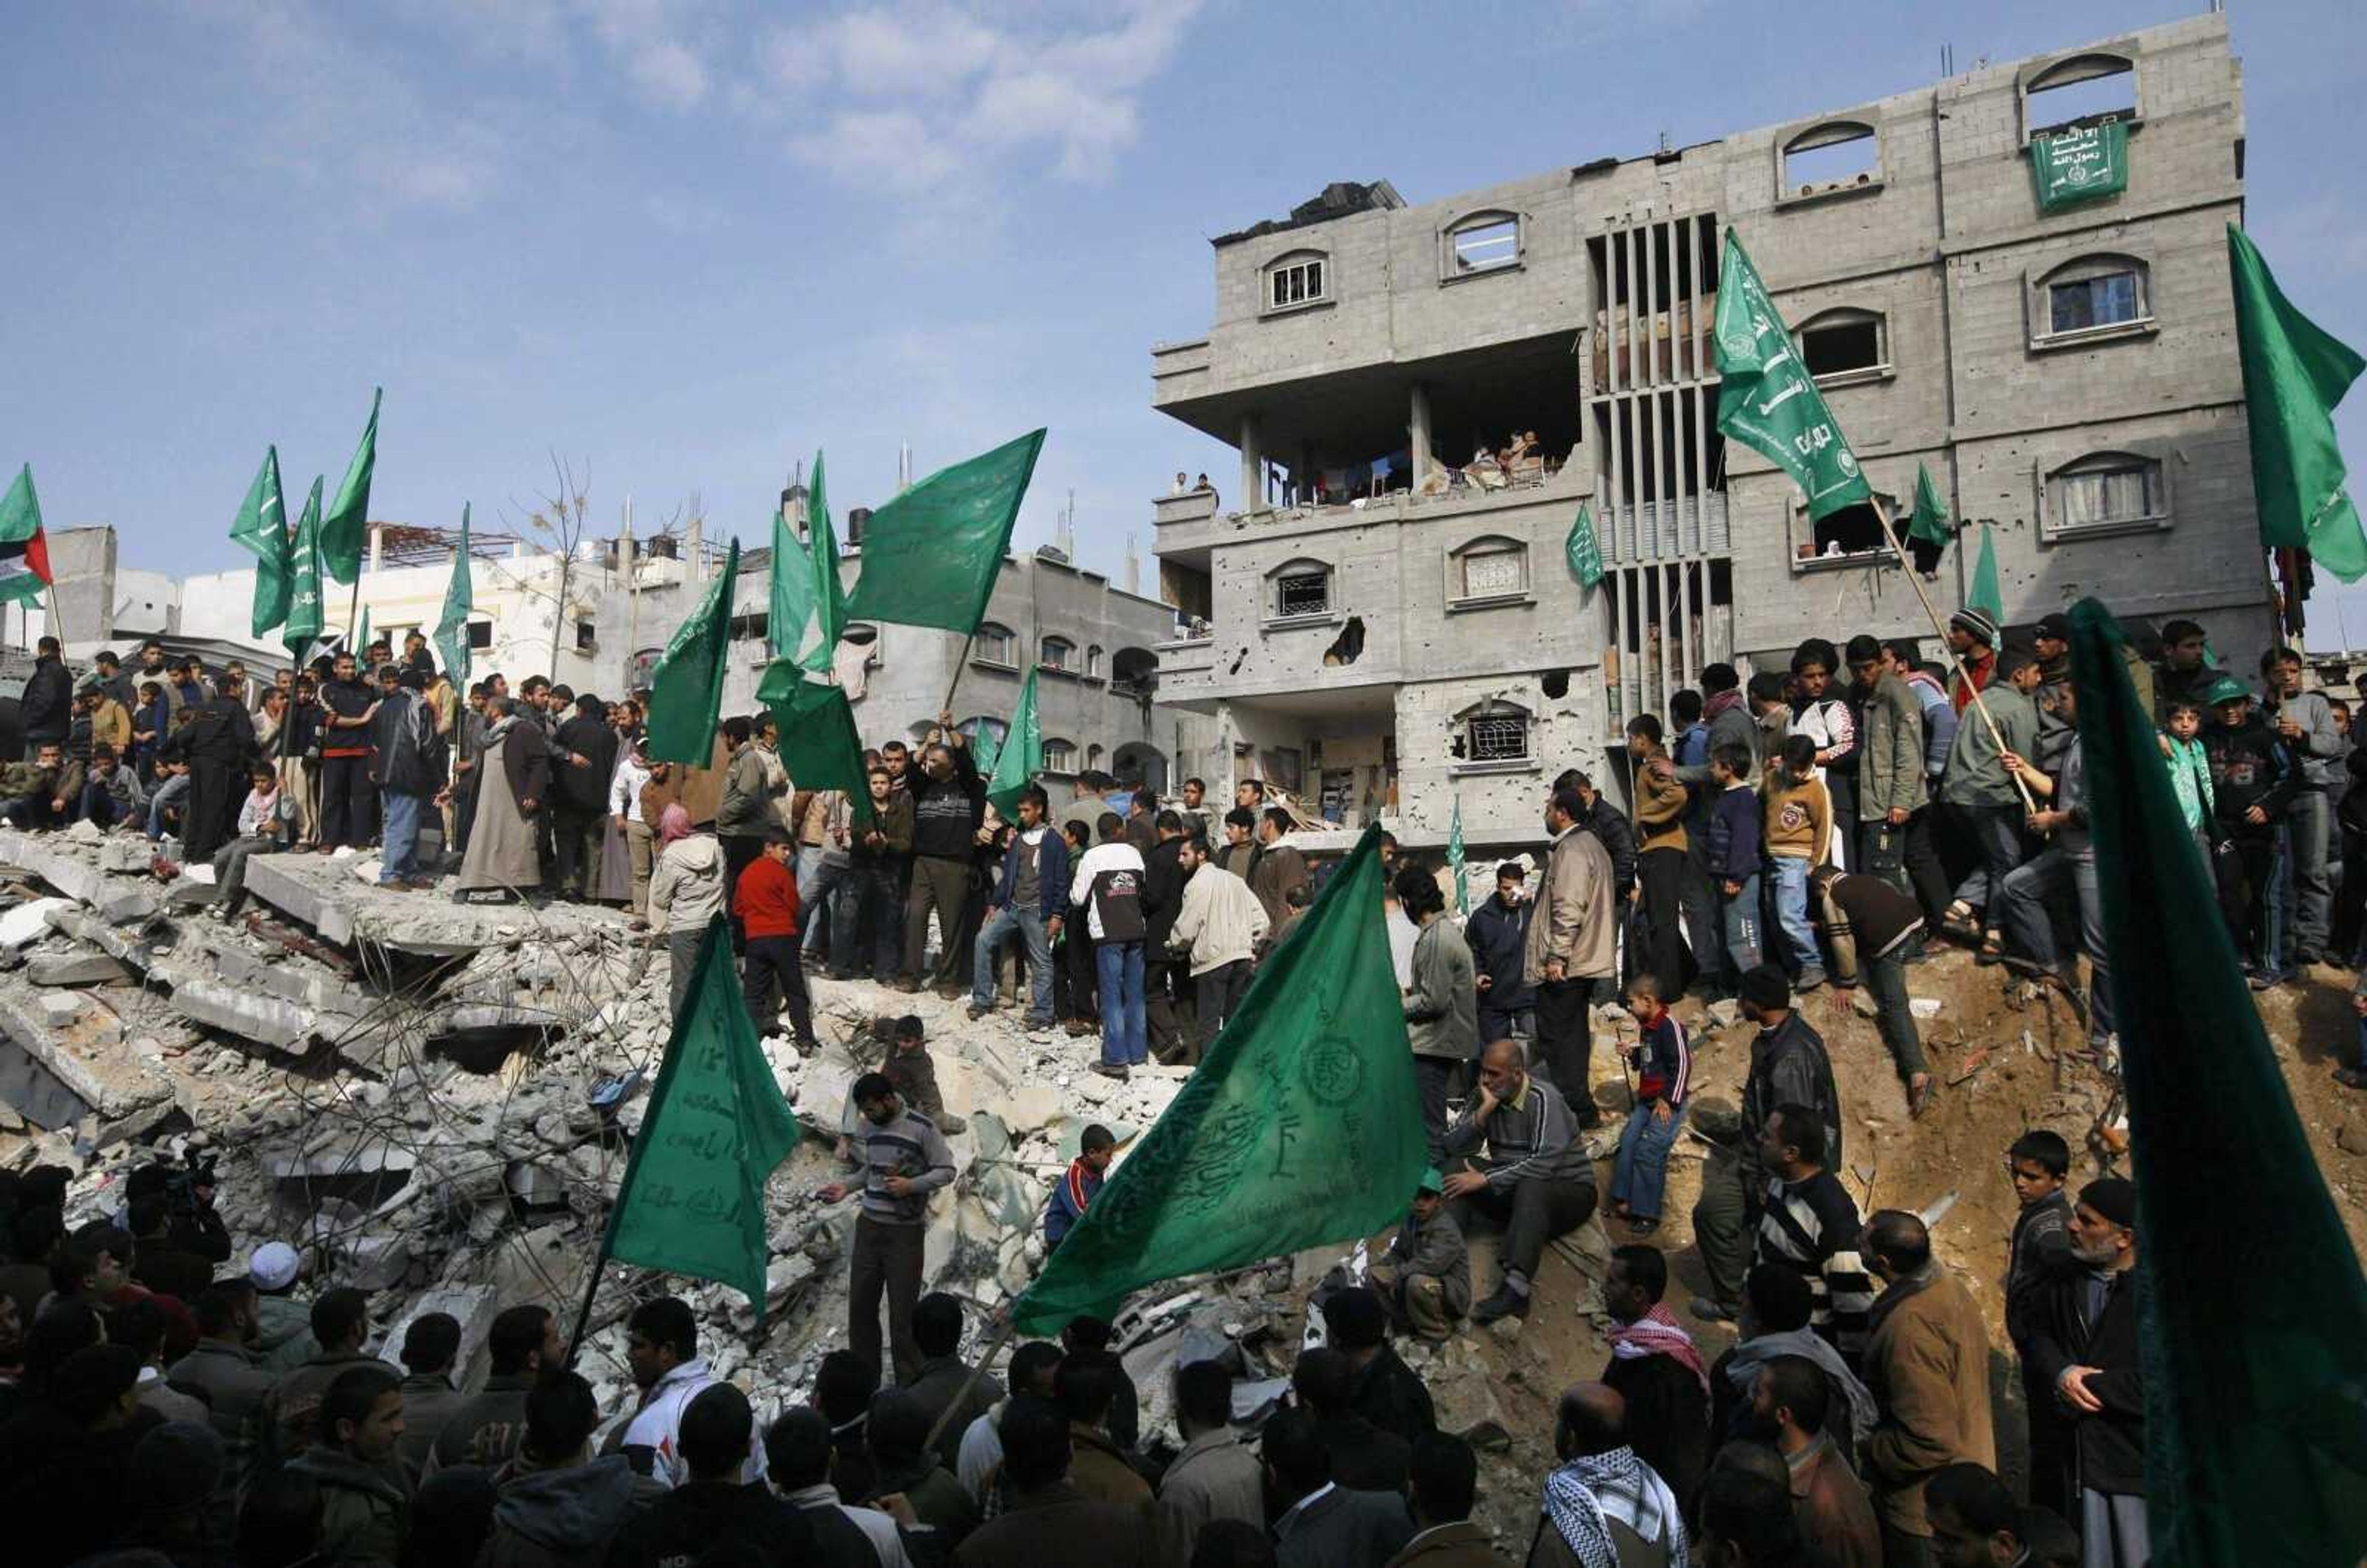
[[767, 898]]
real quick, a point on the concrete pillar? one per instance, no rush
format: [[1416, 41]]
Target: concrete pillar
[[378, 546], [1252, 466], [1418, 435]]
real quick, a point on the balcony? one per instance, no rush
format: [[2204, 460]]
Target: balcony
[[1180, 370]]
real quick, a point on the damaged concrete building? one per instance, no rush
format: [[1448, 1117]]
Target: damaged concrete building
[[1424, 397]]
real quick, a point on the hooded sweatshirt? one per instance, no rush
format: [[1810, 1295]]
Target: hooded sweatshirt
[[686, 890], [547, 1518]]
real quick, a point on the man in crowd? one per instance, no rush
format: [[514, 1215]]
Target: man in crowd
[[1572, 947], [1321, 1523], [2305, 722], [949, 800], [1656, 1369], [1215, 1476], [1498, 933], [661, 1350], [1927, 1361], [1534, 1183], [944, 1381], [524, 1343], [1277, 866], [1986, 803], [348, 804], [1789, 1401], [1604, 1504], [904, 1160], [1218, 927], [2085, 1351]]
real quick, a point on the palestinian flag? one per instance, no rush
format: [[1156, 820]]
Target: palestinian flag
[[24, 549]]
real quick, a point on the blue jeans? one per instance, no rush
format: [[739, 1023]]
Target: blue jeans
[[998, 930], [1995, 833], [2026, 910], [1126, 1026], [170, 792], [1740, 914], [866, 921], [1792, 912], [398, 850], [1642, 1169]]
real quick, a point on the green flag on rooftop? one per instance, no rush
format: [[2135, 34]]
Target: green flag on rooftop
[[1454, 861], [1021, 757], [1301, 1127], [693, 1197], [262, 526], [2255, 1397], [1928, 521], [1585, 552], [344, 526], [1984, 594], [1767, 400], [459, 599], [2294, 374], [686, 691], [304, 625], [930, 557], [820, 745]]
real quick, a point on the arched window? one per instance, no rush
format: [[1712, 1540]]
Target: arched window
[[1093, 659], [1060, 756], [995, 645], [982, 724], [1093, 756], [1492, 734], [1845, 344], [1494, 567], [2107, 492], [1839, 154], [2093, 297], [1484, 241], [1296, 280], [1057, 653], [1300, 588], [2087, 89]]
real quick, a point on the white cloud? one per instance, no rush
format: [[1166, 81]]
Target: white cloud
[[660, 45]]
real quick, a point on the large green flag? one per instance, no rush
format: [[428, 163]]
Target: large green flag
[[262, 526], [344, 526], [693, 1197], [459, 599], [829, 598], [1301, 1127], [789, 606], [1585, 552], [1454, 861], [2295, 373], [1984, 594], [2255, 1372], [1767, 400], [930, 555], [24, 545], [820, 745], [304, 625], [686, 690], [1929, 522], [1022, 754]]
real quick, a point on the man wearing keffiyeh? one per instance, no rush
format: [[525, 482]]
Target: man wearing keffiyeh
[[1604, 1506], [1657, 1369]]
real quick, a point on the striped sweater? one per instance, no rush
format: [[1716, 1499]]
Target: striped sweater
[[910, 1146], [1531, 1136], [1811, 1227]]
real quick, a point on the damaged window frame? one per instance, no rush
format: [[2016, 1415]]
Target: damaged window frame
[[997, 647], [1496, 719], [1851, 319], [1805, 531], [1461, 595], [1821, 137], [2072, 72], [1490, 230], [1296, 280], [2085, 272]]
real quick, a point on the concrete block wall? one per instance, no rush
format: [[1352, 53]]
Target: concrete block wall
[[1502, 804]]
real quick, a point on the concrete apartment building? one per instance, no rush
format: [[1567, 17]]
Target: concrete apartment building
[[1388, 625]]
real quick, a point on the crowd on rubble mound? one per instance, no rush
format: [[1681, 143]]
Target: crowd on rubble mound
[[1820, 828]]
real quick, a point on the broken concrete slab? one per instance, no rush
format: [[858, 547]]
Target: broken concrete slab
[[326, 895], [122, 906], [69, 868], [29, 921], [113, 1082], [77, 969], [58, 1010]]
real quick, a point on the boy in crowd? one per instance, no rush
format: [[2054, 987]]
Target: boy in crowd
[[1799, 825], [2251, 781], [1734, 860], [1660, 865], [1663, 1083], [1871, 927], [2189, 769], [110, 790], [2037, 1163], [1083, 1177], [1424, 1279]]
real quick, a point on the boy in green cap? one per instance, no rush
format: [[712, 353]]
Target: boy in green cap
[[2252, 779], [1424, 1279]]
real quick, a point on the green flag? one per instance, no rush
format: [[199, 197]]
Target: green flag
[[789, 606], [2295, 373], [2255, 1397], [1766, 398], [459, 598], [930, 557], [693, 1197], [1985, 595], [1301, 1127], [1455, 860], [2083, 164], [1928, 521], [820, 745], [24, 546], [829, 598], [985, 749], [262, 526], [686, 691], [344, 527], [1585, 553], [1021, 757], [362, 634], [304, 625]]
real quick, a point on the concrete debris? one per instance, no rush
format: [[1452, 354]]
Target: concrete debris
[[77, 969]]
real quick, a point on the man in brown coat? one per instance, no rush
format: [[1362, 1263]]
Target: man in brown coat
[[1215, 1477], [1828, 1501], [1569, 947], [1276, 867], [1049, 1520], [1927, 1362], [1085, 1388]]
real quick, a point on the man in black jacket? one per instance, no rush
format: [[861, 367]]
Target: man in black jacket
[[219, 745], [409, 771], [1498, 931], [949, 804], [348, 803], [48, 701], [1788, 1066], [1166, 981], [583, 761], [2085, 1350]]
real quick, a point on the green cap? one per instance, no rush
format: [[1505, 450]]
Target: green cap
[[2226, 689], [1431, 1181]]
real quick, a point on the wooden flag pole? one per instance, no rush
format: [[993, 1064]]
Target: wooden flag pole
[[960, 661], [1914, 581]]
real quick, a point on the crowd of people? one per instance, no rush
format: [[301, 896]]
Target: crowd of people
[[1816, 829]]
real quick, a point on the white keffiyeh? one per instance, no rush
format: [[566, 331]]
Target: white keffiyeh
[[1583, 1495]]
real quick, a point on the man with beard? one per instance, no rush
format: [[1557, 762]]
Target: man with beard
[[1570, 944], [904, 1160], [348, 801], [2086, 1351], [219, 745]]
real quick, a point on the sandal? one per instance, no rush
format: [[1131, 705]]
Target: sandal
[[1918, 1096], [1992, 949]]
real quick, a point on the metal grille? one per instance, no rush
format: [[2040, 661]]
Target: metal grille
[[1499, 737], [1308, 593], [1494, 572]]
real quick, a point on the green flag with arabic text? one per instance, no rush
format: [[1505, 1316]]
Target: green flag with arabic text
[[1583, 549], [1928, 521], [304, 623], [1766, 398], [1301, 1127], [820, 746], [693, 1197], [1021, 756], [460, 599]]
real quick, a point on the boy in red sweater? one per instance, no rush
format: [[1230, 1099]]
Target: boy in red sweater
[[766, 903]]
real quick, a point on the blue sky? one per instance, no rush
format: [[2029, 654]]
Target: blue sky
[[682, 242]]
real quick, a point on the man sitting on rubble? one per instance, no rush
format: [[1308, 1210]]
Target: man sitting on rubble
[[42, 793], [1535, 1181]]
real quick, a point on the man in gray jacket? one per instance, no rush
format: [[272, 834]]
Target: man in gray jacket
[[1982, 798], [1215, 1477], [2306, 724], [1441, 1004], [1893, 794]]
